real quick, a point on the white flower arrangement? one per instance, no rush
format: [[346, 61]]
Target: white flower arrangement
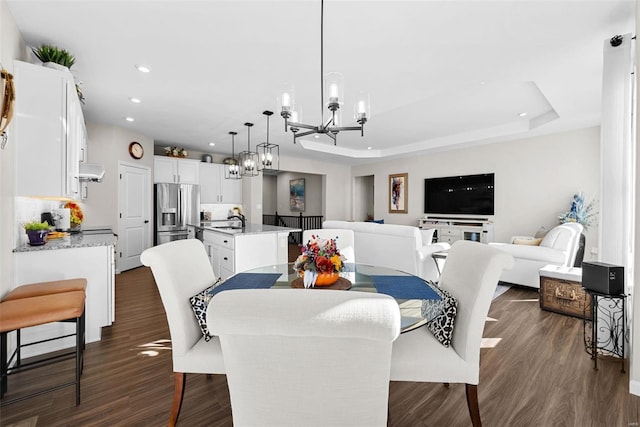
[[175, 152], [580, 212]]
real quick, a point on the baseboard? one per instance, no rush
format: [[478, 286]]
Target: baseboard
[[634, 387]]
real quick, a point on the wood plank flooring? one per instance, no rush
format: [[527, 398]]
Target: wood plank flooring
[[537, 374]]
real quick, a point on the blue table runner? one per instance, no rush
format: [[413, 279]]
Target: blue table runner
[[404, 287], [248, 281]]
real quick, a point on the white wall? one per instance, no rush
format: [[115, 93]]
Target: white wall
[[336, 196], [11, 47], [312, 193], [535, 179], [108, 145], [269, 194]]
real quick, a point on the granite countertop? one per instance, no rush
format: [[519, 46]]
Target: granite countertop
[[249, 229], [78, 240]]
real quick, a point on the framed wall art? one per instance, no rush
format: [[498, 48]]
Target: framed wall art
[[296, 195], [398, 193]]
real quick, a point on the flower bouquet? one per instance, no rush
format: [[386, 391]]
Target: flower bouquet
[[320, 262], [76, 216]]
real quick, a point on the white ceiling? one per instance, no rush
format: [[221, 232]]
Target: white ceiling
[[439, 73]]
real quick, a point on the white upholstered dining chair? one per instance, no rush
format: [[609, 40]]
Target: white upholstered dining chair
[[301, 357], [181, 269], [345, 240], [470, 274]]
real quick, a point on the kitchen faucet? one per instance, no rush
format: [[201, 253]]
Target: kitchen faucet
[[241, 217]]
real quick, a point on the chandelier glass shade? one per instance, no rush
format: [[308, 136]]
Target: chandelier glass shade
[[232, 168], [331, 90], [248, 159], [268, 154]]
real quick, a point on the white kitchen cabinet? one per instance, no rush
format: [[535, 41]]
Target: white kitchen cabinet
[[96, 264], [174, 170], [234, 253], [49, 132], [215, 188]]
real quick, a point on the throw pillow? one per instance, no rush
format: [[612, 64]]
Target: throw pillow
[[199, 303], [442, 314], [529, 242]]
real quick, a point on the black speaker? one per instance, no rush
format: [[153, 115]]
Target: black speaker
[[604, 278]]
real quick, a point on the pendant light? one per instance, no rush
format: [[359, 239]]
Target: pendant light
[[268, 154], [248, 159], [232, 170]]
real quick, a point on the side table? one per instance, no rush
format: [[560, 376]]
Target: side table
[[561, 291], [609, 318]]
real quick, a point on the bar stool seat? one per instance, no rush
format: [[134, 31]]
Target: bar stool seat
[[46, 288], [16, 314]]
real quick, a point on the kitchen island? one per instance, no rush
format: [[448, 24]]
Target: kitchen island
[[90, 256], [232, 248]]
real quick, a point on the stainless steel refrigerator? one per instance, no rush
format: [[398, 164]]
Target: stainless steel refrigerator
[[176, 205]]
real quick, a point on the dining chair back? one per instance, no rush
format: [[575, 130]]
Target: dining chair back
[[470, 274], [181, 269], [345, 240], [306, 357]]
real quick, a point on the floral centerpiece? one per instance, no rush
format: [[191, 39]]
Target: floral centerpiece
[[320, 262], [175, 152], [76, 216], [580, 212]]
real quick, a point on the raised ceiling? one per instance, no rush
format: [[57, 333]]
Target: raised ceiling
[[439, 73]]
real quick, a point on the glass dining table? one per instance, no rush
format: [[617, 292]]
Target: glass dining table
[[409, 290]]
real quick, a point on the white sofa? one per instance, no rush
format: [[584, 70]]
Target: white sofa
[[558, 247], [402, 247]]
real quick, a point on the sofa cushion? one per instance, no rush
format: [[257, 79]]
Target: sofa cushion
[[527, 241]]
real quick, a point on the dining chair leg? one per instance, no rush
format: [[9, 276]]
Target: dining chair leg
[[472, 403], [179, 378]]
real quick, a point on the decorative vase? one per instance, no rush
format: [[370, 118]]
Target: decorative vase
[[37, 237], [323, 278]]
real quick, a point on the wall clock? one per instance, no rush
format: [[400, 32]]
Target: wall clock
[[136, 150]]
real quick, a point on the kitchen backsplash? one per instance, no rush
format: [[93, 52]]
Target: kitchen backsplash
[[28, 209], [218, 211]]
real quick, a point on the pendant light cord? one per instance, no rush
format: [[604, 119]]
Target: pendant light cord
[[321, 60]]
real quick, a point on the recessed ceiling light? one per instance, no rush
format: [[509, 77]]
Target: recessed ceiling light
[[522, 114], [135, 100], [143, 68], [130, 119], [212, 144], [316, 136], [369, 148]]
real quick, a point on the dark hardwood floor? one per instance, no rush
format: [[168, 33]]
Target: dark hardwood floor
[[535, 374]]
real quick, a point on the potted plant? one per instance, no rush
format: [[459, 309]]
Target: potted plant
[[37, 232], [54, 55]]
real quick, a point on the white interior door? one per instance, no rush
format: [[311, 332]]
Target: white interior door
[[134, 189]]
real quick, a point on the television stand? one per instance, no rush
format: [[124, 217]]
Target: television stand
[[451, 229]]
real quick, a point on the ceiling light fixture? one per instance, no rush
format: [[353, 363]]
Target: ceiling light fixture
[[135, 100], [232, 171], [212, 144], [332, 84], [143, 68], [522, 114], [268, 154], [130, 119], [248, 159]]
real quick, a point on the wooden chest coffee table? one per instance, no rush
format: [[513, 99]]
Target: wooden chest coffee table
[[561, 291]]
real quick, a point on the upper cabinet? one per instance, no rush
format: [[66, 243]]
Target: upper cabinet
[[214, 188], [49, 132], [174, 170]]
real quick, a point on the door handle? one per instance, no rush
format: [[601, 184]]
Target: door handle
[[146, 221]]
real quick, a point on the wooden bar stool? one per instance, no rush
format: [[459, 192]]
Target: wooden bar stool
[[16, 314], [46, 288]]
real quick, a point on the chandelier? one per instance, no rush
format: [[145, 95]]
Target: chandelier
[[331, 88], [248, 159], [232, 171], [268, 154]]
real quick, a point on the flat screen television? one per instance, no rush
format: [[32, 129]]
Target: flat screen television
[[459, 195]]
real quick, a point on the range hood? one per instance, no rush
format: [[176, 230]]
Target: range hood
[[91, 172]]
